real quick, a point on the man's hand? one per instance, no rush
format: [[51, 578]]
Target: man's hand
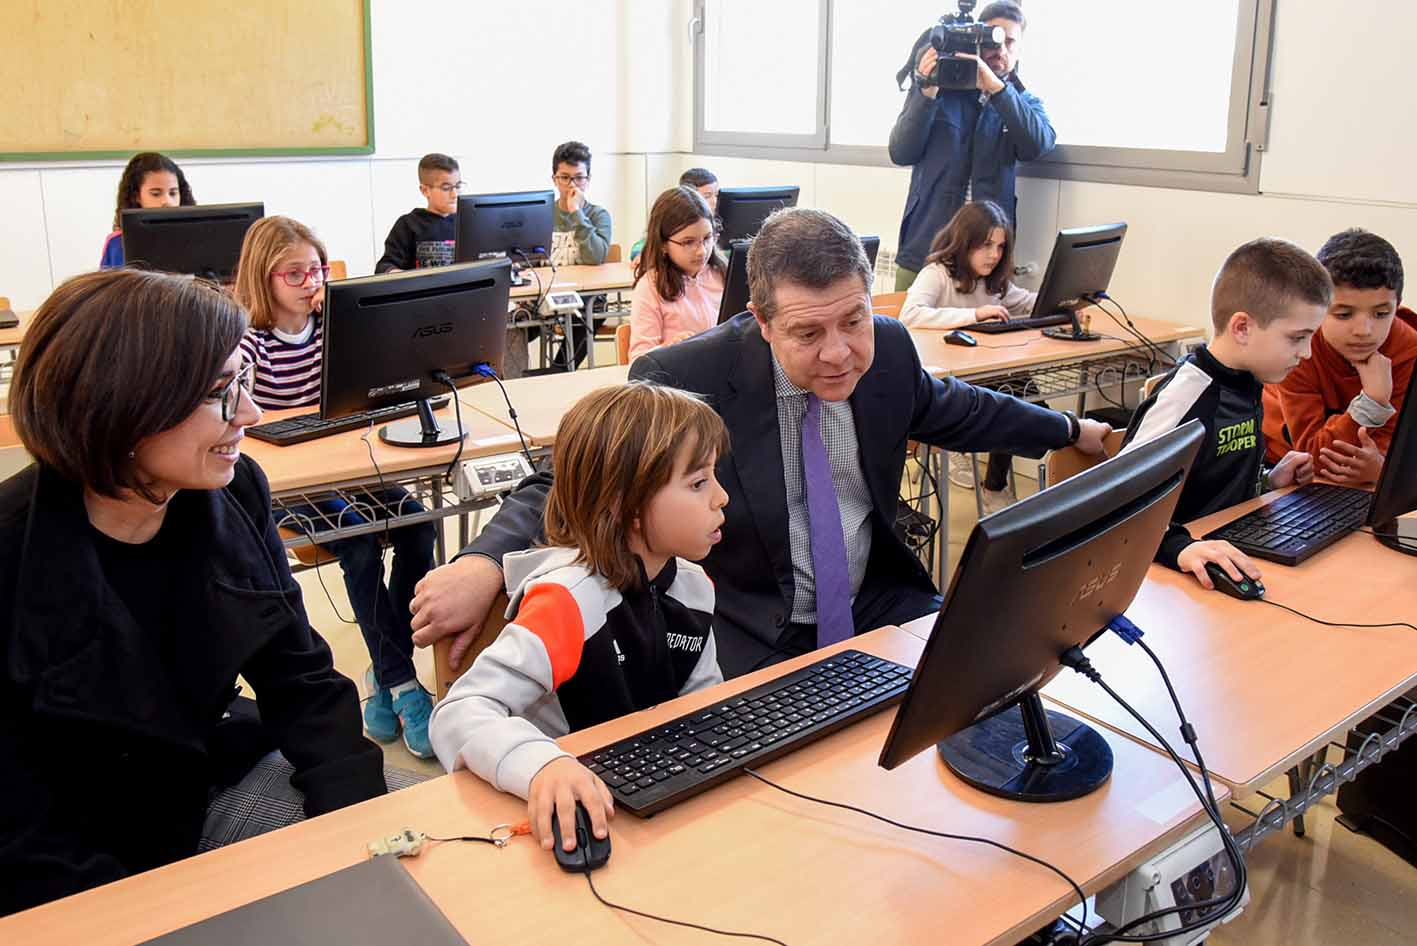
[[1349, 465], [452, 600], [1236, 563], [987, 81], [1375, 372], [556, 788], [925, 72], [1293, 469], [1091, 434], [991, 313]]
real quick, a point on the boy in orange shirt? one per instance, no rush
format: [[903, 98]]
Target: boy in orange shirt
[[1341, 405]]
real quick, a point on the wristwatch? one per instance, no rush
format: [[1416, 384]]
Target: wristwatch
[[1074, 427]]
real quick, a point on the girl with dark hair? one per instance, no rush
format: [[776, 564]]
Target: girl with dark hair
[[966, 280], [679, 277], [150, 180]]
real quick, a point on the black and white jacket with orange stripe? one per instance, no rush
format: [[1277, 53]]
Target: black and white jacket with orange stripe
[[576, 652]]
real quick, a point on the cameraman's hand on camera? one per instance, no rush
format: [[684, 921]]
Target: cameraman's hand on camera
[[988, 82], [925, 72]]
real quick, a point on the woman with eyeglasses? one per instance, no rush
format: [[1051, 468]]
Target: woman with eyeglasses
[[679, 276], [281, 281], [141, 573]]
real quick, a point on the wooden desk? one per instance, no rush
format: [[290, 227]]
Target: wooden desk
[[10, 338], [589, 281], [540, 401], [740, 857]]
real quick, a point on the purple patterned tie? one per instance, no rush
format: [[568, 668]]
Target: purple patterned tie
[[824, 519]]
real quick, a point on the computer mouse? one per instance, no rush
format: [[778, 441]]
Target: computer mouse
[[960, 338], [1247, 590], [590, 853]]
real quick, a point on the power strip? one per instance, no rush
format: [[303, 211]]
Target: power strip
[[486, 477]]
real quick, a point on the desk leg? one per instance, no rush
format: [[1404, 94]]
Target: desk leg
[[590, 331], [939, 459], [441, 545]]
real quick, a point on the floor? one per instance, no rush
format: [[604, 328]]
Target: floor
[[1330, 887]]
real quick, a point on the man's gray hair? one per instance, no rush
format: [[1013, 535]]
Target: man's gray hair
[[808, 248]]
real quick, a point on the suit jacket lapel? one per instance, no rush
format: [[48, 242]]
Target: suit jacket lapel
[[750, 413]]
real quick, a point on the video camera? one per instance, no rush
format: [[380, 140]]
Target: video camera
[[959, 33]]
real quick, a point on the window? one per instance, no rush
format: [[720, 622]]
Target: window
[[1138, 93]]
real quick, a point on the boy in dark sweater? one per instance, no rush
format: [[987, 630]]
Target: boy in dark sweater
[[1268, 300], [424, 237]]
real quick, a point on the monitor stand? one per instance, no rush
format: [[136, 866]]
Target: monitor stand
[[1020, 755], [421, 431], [1389, 534], [1074, 334], [519, 275]]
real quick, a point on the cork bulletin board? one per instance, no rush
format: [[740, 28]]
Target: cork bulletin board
[[88, 79]]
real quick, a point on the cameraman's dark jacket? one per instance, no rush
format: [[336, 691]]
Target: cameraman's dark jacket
[[953, 141]]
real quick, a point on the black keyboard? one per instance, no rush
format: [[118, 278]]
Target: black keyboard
[[1020, 325], [303, 427], [1298, 525], [663, 766]]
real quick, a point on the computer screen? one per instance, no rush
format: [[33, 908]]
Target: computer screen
[[735, 280], [1081, 264], [1043, 575], [742, 210], [204, 240], [517, 225], [1396, 494], [387, 337]]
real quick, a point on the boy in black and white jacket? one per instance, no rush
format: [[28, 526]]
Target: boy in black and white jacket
[[611, 617]]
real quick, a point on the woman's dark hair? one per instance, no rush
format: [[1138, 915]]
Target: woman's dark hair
[[968, 230], [112, 358], [675, 209], [1362, 260], [131, 183]]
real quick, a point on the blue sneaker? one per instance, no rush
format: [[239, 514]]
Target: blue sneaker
[[413, 708], [380, 720]]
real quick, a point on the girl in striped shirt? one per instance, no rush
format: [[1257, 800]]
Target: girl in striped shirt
[[281, 281]]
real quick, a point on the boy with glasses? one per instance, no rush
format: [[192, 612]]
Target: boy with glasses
[[425, 236], [582, 229]]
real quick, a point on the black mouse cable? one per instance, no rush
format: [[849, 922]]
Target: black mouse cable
[[590, 879], [1310, 617], [972, 839]]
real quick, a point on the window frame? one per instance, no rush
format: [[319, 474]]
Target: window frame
[[1234, 170]]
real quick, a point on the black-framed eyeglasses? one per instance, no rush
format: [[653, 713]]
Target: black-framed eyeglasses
[[580, 180], [448, 188], [230, 395]]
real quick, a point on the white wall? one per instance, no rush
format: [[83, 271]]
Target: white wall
[[497, 86], [1339, 156]]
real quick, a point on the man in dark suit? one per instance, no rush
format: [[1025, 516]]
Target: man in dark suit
[[819, 399]]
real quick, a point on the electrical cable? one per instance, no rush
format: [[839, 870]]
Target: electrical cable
[[1082, 897], [590, 879], [487, 372], [1131, 326], [1403, 542], [1310, 617], [445, 378]]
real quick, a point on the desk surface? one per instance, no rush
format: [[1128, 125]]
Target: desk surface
[[11, 337], [1262, 687], [607, 276], [344, 457], [541, 401], [1015, 350], [778, 865]]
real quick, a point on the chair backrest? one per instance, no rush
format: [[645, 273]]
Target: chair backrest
[[888, 303], [4, 302], [1148, 387], [1070, 461], [443, 674], [339, 269], [613, 253], [622, 343]]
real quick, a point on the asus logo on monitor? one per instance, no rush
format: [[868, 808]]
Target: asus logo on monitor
[[1094, 586], [426, 331], [512, 223]]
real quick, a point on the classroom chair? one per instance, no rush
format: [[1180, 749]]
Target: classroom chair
[[614, 254], [4, 302], [443, 674], [888, 303], [622, 343], [338, 269], [1066, 462]]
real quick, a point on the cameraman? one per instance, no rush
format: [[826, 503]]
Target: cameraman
[[964, 145]]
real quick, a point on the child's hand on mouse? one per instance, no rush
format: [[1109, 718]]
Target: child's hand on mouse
[[1237, 564], [559, 784], [991, 313]]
